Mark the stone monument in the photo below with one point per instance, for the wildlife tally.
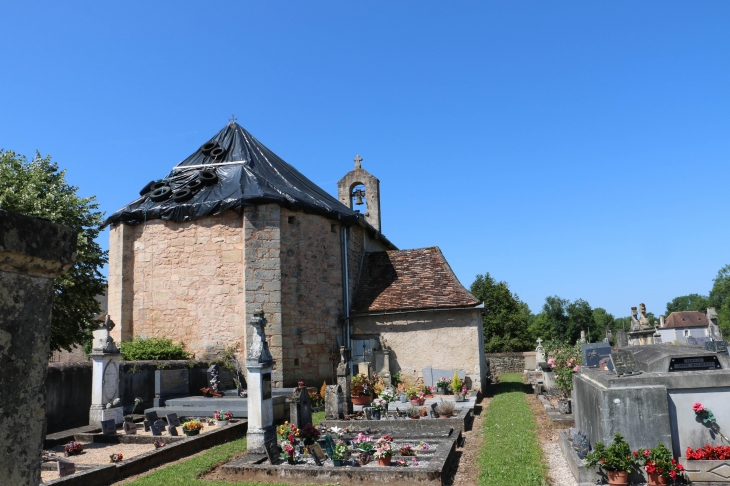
(343, 378)
(260, 404)
(713, 330)
(641, 332)
(105, 373)
(33, 252)
(300, 408)
(539, 355)
(334, 403)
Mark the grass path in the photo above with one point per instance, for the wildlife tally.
(511, 452)
(187, 473)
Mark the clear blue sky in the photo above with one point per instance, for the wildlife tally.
(576, 149)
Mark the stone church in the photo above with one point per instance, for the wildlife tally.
(233, 228)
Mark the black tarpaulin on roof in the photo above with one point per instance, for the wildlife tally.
(248, 173)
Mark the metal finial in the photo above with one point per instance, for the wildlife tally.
(357, 160)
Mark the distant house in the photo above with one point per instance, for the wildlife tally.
(680, 326)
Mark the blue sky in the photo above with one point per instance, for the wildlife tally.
(576, 149)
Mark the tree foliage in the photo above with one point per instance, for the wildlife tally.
(506, 319)
(152, 349)
(691, 302)
(38, 188)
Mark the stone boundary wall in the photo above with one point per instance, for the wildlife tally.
(511, 362)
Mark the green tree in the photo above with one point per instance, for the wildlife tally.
(691, 302)
(38, 188)
(720, 299)
(505, 322)
(541, 327)
(580, 318)
(602, 320)
(556, 312)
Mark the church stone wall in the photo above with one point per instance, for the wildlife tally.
(311, 292)
(443, 339)
(184, 280)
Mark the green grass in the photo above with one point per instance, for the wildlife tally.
(511, 453)
(187, 473)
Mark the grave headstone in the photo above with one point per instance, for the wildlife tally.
(259, 363)
(539, 354)
(334, 403)
(624, 363)
(368, 411)
(343, 379)
(147, 424)
(300, 408)
(170, 384)
(151, 416)
(695, 363)
(172, 420)
(594, 352)
(431, 375)
(317, 453)
(114, 413)
(621, 339)
(719, 347)
(65, 467)
(157, 427)
(273, 451)
(109, 427)
(172, 430)
(105, 372)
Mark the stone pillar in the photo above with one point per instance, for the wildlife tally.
(260, 403)
(343, 378)
(32, 253)
(120, 293)
(105, 378)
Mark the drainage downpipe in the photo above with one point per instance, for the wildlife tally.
(346, 287)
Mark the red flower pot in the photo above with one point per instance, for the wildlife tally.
(364, 400)
(656, 478)
(618, 478)
(384, 461)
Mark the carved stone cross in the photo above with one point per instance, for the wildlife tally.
(357, 160)
(539, 341)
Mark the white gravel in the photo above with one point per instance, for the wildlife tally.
(558, 471)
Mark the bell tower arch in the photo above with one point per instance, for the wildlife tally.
(361, 188)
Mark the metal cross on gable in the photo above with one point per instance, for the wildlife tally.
(233, 119)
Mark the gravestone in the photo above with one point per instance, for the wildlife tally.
(431, 375)
(273, 451)
(260, 405)
(114, 413)
(65, 467)
(382, 364)
(173, 420)
(171, 384)
(719, 347)
(108, 427)
(151, 416)
(317, 453)
(157, 427)
(539, 354)
(172, 430)
(343, 379)
(334, 403)
(621, 339)
(105, 371)
(147, 424)
(593, 353)
(300, 408)
(624, 363)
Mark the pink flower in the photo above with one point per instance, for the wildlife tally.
(697, 407)
(576, 368)
(551, 361)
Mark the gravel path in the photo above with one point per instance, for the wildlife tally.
(559, 472)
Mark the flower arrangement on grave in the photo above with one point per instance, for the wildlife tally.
(384, 451)
(388, 395)
(445, 409)
(115, 403)
(222, 415)
(363, 442)
(407, 450)
(414, 461)
(73, 448)
(708, 453)
(402, 386)
(708, 418)
(309, 434)
(340, 451)
(290, 453)
(422, 446)
(442, 383)
(316, 398)
(192, 425)
(401, 463)
(378, 384)
(380, 404)
(130, 417)
(116, 457)
(360, 386)
(617, 457)
(659, 462)
(287, 432)
(414, 412)
(158, 443)
(565, 361)
(456, 383)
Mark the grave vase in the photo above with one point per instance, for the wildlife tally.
(618, 478)
(376, 414)
(362, 400)
(191, 433)
(222, 422)
(337, 462)
(384, 461)
(656, 478)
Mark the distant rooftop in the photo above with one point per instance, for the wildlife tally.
(686, 319)
(409, 280)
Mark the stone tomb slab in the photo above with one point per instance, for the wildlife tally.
(433, 465)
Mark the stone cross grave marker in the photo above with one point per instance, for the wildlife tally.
(334, 402)
(158, 427)
(172, 420)
(300, 408)
(65, 467)
(109, 427)
(539, 353)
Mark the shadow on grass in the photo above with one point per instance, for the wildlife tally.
(514, 387)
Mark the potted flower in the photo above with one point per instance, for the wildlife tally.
(659, 464)
(461, 395)
(116, 457)
(289, 452)
(414, 412)
(129, 427)
(380, 405)
(360, 389)
(192, 427)
(222, 416)
(72, 448)
(456, 383)
(407, 450)
(416, 395)
(442, 385)
(388, 395)
(339, 454)
(384, 451)
(309, 434)
(617, 460)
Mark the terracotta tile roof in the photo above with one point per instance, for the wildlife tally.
(686, 319)
(408, 280)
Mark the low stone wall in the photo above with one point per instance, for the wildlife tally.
(511, 362)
